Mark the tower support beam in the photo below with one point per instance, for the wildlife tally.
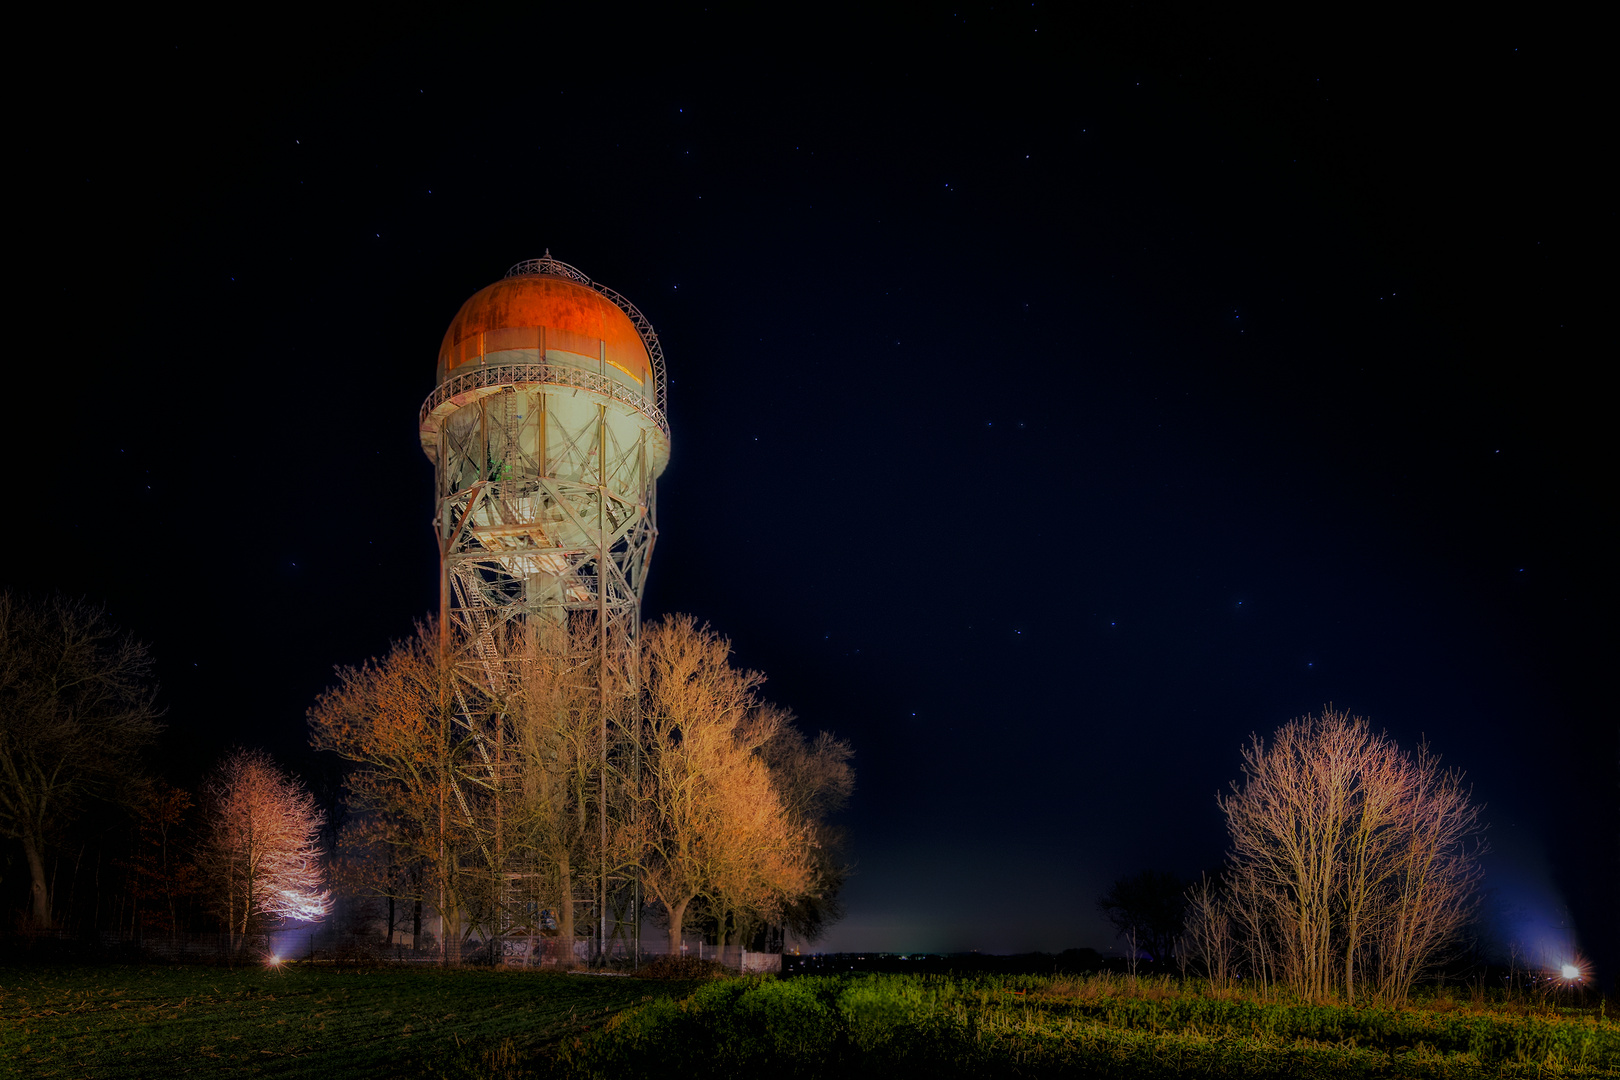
(546, 464)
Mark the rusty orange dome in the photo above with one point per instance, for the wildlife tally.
(545, 308)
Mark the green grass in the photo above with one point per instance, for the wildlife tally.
(300, 1020)
(940, 1026)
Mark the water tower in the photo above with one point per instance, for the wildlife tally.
(547, 432)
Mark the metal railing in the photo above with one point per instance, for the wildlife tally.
(551, 374)
(547, 266)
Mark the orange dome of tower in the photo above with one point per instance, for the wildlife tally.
(541, 308)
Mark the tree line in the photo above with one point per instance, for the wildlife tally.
(713, 802)
(78, 706)
(706, 797)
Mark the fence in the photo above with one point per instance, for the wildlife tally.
(539, 951)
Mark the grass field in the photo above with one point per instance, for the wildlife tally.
(310, 1020)
(1099, 1026)
(298, 1020)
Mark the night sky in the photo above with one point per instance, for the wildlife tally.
(1056, 399)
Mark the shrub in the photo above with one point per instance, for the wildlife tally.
(683, 968)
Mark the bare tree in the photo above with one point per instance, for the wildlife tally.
(709, 796)
(1434, 876)
(1347, 855)
(1288, 825)
(262, 849)
(559, 750)
(1207, 936)
(706, 821)
(77, 705)
(1259, 921)
(761, 854)
(162, 877)
(813, 779)
(392, 718)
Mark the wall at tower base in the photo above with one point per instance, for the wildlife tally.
(551, 952)
(734, 957)
(759, 963)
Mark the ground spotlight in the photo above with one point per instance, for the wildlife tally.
(1570, 972)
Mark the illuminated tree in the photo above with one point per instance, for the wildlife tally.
(710, 797)
(1258, 920)
(1347, 856)
(813, 779)
(559, 748)
(1206, 937)
(1434, 876)
(262, 850)
(706, 820)
(77, 705)
(392, 718)
(760, 856)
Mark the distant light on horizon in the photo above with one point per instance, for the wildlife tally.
(1570, 971)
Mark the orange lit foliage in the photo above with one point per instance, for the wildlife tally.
(813, 779)
(391, 718)
(558, 729)
(706, 821)
(729, 812)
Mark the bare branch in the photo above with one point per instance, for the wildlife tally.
(77, 706)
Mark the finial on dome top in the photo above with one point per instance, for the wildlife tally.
(548, 267)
